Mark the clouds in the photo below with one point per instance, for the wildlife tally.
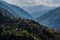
(34, 2)
(53, 3)
(20, 2)
(56, 1)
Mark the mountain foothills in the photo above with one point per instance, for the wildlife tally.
(48, 16)
(51, 19)
(38, 10)
(14, 10)
(17, 24)
(24, 29)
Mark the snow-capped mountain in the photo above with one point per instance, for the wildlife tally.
(39, 10)
(14, 10)
(51, 19)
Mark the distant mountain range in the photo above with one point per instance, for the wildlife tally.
(51, 19)
(13, 10)
(37, 11)
(47, 16)
(24, 29)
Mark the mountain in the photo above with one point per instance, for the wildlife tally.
(51, 19)
(14, 10)
(38, 10)
(24, 29)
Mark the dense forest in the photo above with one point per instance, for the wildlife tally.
(25, 29)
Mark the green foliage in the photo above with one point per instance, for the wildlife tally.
(25, 29)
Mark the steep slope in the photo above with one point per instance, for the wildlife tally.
(24, 29)
(38, 10)
(15, 10)
(51, 19)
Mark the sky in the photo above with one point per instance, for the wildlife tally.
(34, 2)
(0, 0)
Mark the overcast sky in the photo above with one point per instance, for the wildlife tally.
(34, 2)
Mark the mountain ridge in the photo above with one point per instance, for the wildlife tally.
(25, 29)
(51, 18)
(39, 10)
(16, 10)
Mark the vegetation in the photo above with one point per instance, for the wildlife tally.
(24, 29)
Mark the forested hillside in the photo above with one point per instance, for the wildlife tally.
(24, 29)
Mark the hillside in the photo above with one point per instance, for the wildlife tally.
(51, 19)
(13, 10)
(24, 29)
